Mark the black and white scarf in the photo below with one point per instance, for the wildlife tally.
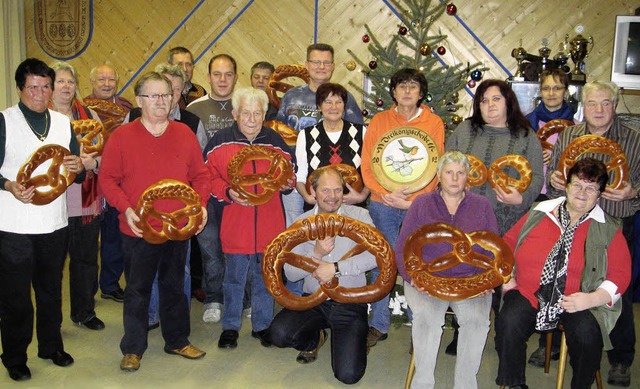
(554, 273)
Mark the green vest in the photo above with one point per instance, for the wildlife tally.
(594, 273)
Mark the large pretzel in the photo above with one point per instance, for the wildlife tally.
(288, 134)
(92, 135)
(58, 178)
(270, 181)
(348, 173)
(174, 226)
(477, 172)
(498, 178)
(367, 238)
(275, 84)
(112, 114)
(596, 144)
(495, 272)
(552, 127)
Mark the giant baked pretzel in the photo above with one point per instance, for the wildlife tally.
(596, 144)
(498, 178)
(348, 173)
(92, 135)
(169, 189)
(111, 113)
(366, 237)
(495, 272)
(275, 83)
(288, 134)
(552, 127)
(477, 171)
(57, 177)
(271, 181)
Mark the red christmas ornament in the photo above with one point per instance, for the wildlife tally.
(365, 38)
(373, 64)
(451, 9)
(441, 50)
(471, 84)
(402, 30)
(379, 103)
(365, 113)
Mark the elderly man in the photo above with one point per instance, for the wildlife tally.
(170, 151)
(305, 330)
(182, 57)
(33, 238)
(104, 81)
(260, 74)
(600, 100)
(246, 229)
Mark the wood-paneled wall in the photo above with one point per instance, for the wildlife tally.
(135, 35)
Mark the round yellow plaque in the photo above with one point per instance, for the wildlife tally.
(405, 157)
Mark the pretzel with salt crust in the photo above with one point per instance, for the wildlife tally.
(92, 135)
(58, 178)
(498, 178)
(275, 84)
(495, 272)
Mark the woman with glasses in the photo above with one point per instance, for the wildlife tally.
(572, 264)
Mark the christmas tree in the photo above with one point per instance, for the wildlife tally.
(412, 47)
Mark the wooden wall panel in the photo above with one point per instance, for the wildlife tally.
(129, 33)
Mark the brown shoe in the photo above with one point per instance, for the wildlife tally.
(305, 357)
(130, 362)
(373, 336)
(189, 351)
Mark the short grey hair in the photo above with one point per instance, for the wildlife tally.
(606, 86)
(248, 95)
(171, 70)
(454, 156)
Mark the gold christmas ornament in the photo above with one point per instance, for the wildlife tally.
(425, 49)
(456, 119)
(351, 65)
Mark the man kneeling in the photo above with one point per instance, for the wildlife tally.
(305, 330)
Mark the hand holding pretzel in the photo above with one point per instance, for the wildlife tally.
(275, 83)
(495, 271)
(174, 226)
(319, 227)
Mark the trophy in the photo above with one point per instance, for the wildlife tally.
(519, 54)
(544, 52)
(578, 48)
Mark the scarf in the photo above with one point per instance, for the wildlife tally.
(542, 114)
(554, 273)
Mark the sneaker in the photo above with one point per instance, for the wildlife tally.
(117, 295)
(93, 324)
(619, 375)
(373, 336)
(212, 314)
(537, 357)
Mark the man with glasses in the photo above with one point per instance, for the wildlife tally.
(600, 99)
(182, 57)
(138, 155)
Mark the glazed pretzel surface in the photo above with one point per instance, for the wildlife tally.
(498, 178)
(276, 84)
(366, 237)
(348, 172)
(288, 134)
(271, 181)
(58, 178)
(92, 135)
(552, 127)
(595, 144)
(112, 113)
(171, 229)
(478, 173)
(495, 272)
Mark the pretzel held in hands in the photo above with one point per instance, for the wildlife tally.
(288, 134)
(552, 127)
(275, 84)
(58, 178)
(92, 135)
(348, 173)
(477, 172)
(498, 178)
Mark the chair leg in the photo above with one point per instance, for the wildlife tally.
(562, 363)
(547, 351)
(412, 370)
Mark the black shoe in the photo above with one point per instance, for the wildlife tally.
(117, 295)
(59, 358)
(153, 326)
(523, 386)
(19, 373)
(93, 324)
(619, 375)
(305, 357)
(452, 348)
(228, 339)
(265, 338)
(537, 357)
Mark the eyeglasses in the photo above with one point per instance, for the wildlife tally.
(549, 88)
(317, 63)
(408, 85)
(167, 96)
(577, 188)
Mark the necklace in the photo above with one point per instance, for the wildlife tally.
(40, 136)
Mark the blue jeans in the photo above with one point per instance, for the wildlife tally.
(111, 257)
(388, 220)
(154, 301)
(240, 267)
(212, 256)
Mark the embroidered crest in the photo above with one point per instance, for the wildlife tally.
(63, 27)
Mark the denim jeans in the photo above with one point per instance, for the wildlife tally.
(239, 268)
(212, 256)
(154, 301)
(426, 332)
(348, 323)
(293, 206)
(111, 257)
(516, 323)
(388, 220)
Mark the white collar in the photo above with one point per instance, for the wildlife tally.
(548, 206)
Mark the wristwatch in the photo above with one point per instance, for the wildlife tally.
(335, 265)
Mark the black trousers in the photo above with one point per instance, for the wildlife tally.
(142, 261)
(26, 260)
(516, 323)
(83, 267)
(349, 326)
